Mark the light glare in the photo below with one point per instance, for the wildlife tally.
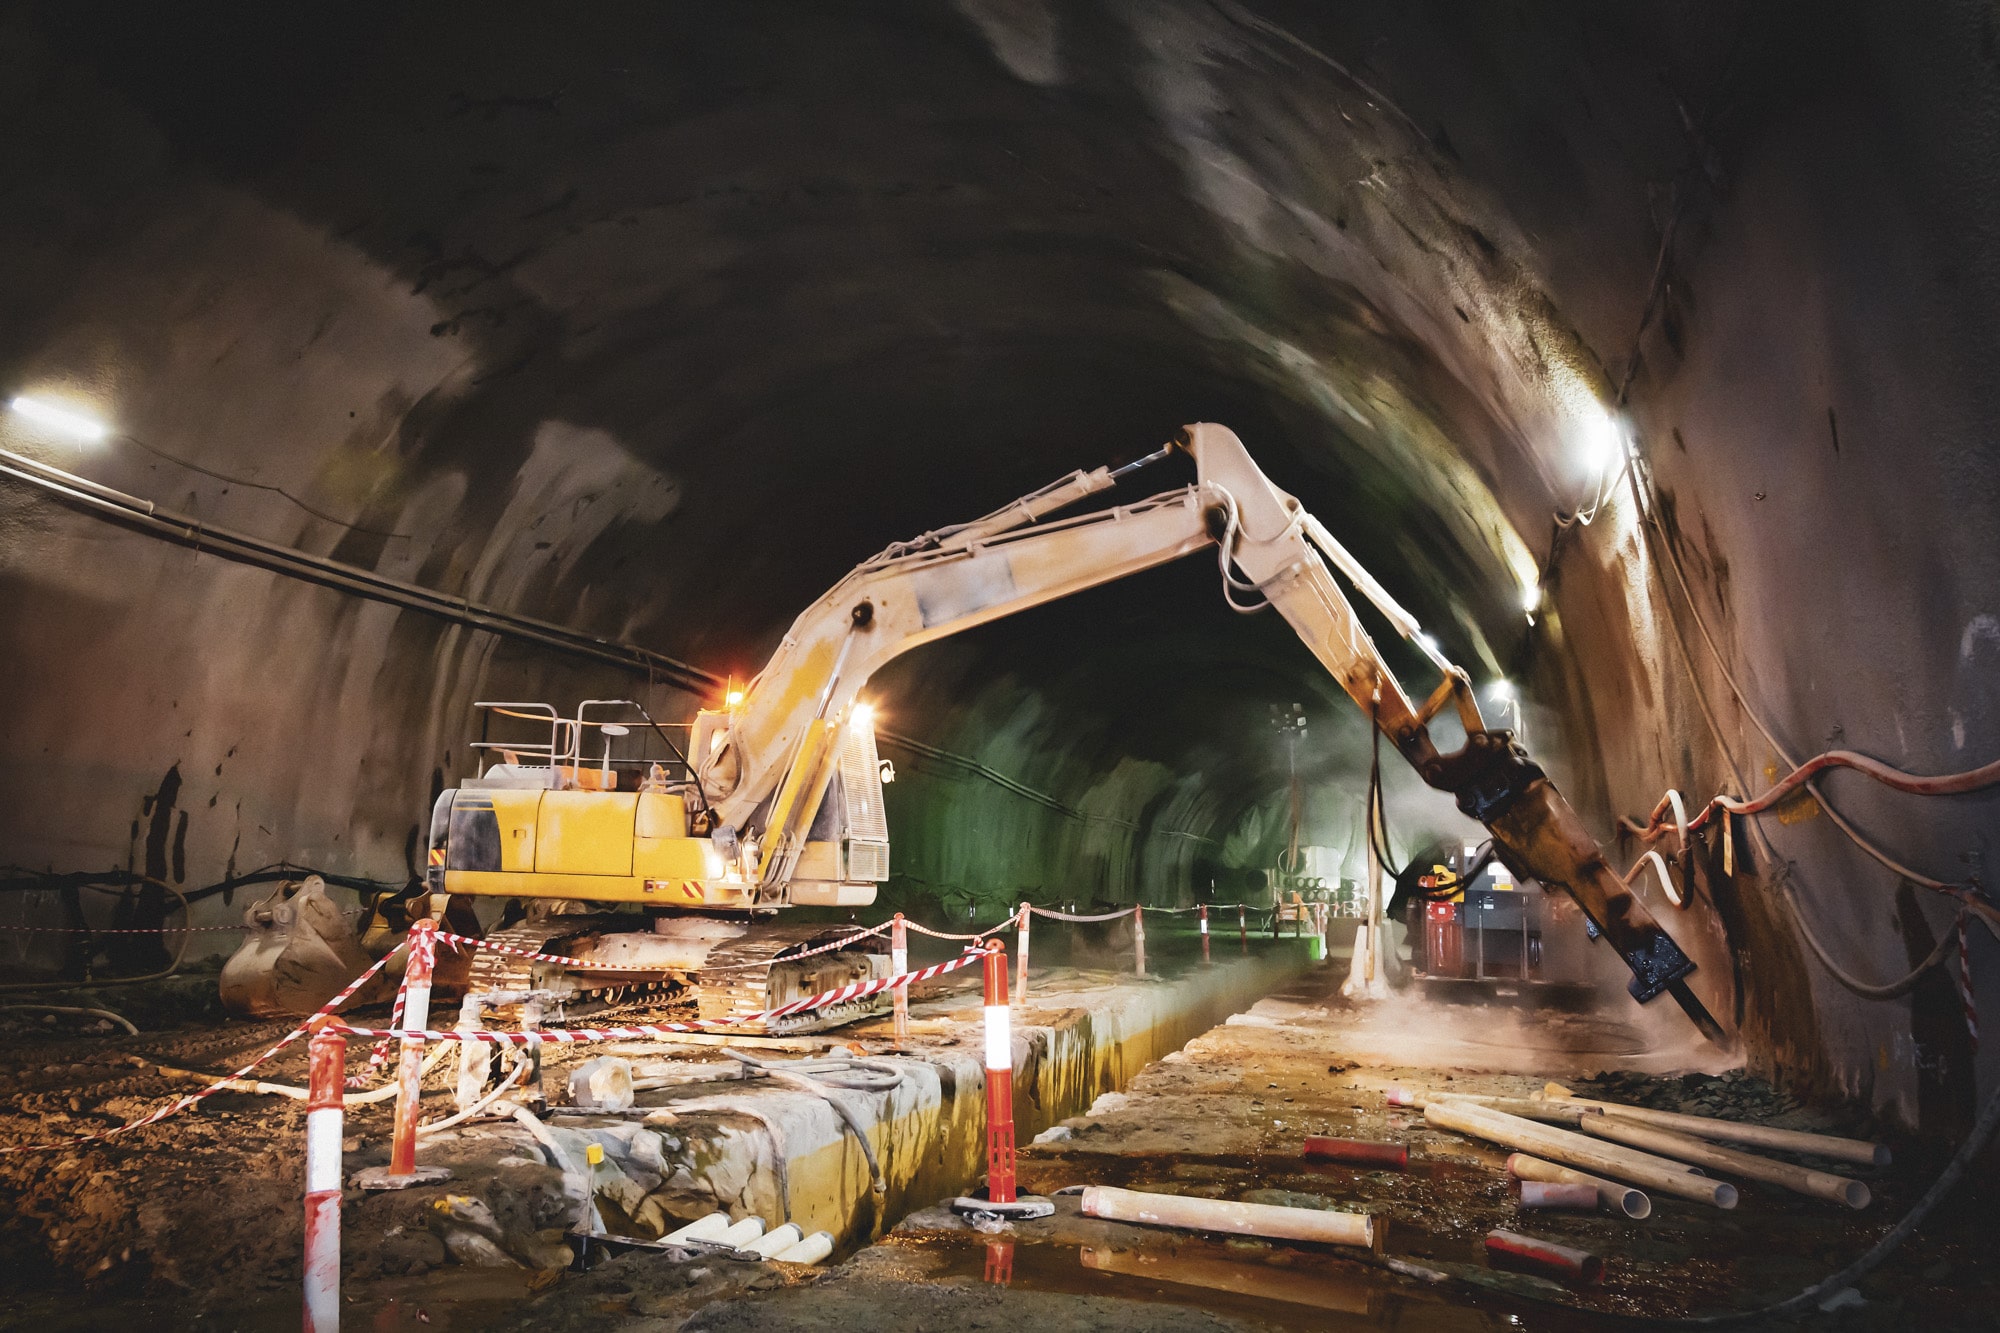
(1603, 441)
(74, 424)
(735, 698)
(1501, 690)
(863, 715)
(1531, 598)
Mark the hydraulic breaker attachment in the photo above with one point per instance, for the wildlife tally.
(1537, 835)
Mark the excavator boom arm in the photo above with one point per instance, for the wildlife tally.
(767, 758)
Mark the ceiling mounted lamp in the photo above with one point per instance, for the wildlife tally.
(63, 420)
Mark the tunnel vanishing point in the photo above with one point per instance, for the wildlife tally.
(370, 362)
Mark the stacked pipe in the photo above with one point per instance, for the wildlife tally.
(1662, 1150)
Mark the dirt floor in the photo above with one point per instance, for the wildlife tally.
(198, 1227)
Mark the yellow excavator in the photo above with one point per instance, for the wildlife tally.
(673, 874)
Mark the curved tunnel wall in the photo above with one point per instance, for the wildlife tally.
(653, 323)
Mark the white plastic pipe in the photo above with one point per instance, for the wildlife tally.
(808, 1251)
(740, 1235)
(774, 1243)
(702, 1228)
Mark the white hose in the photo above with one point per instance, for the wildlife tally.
(369, 1098)
(120, 1020)
(469, 1112)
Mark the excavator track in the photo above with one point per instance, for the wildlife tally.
(731, 981)
(493, 970)
(739, 976)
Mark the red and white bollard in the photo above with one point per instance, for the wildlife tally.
(899, 963)
(1204, 932)
(1021, 966)
(403, 1171)
(325, 1119)
(1001, 1199)
(1243, 926)
(1139, 938)
(999, 1079)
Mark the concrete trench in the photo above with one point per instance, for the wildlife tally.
(1080, 1034)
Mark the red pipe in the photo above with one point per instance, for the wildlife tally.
(1510, 1247)
(1943, 784)
(1357, 1152)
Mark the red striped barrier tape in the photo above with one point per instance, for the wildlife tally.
(586, 965)
(581, 1036)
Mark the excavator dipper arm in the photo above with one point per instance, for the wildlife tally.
(766, 760)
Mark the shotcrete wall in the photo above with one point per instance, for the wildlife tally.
(653, 321)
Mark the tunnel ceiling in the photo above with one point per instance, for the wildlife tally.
(654, 320)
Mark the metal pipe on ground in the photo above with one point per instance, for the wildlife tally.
(1656, 1173)
(1548, 1194)
(1546, 1256)
(1858, 1151)
(1243, 1219)
(1611, 1196)
(1799, 1179)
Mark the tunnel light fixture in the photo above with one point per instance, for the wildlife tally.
(1501, 691)
(1603, 441)
(734, 698)
(64, 420)
(1531, 598)
(862, 716)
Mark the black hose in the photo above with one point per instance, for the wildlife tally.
(43, 881)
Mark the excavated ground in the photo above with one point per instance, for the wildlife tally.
(197, 1225)
(1223, 1119)
(197, 1222)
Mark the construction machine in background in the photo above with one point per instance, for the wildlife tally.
(676, 872)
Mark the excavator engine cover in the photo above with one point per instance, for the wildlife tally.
(299, 951)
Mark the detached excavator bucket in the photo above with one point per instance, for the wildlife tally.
(299, 952)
